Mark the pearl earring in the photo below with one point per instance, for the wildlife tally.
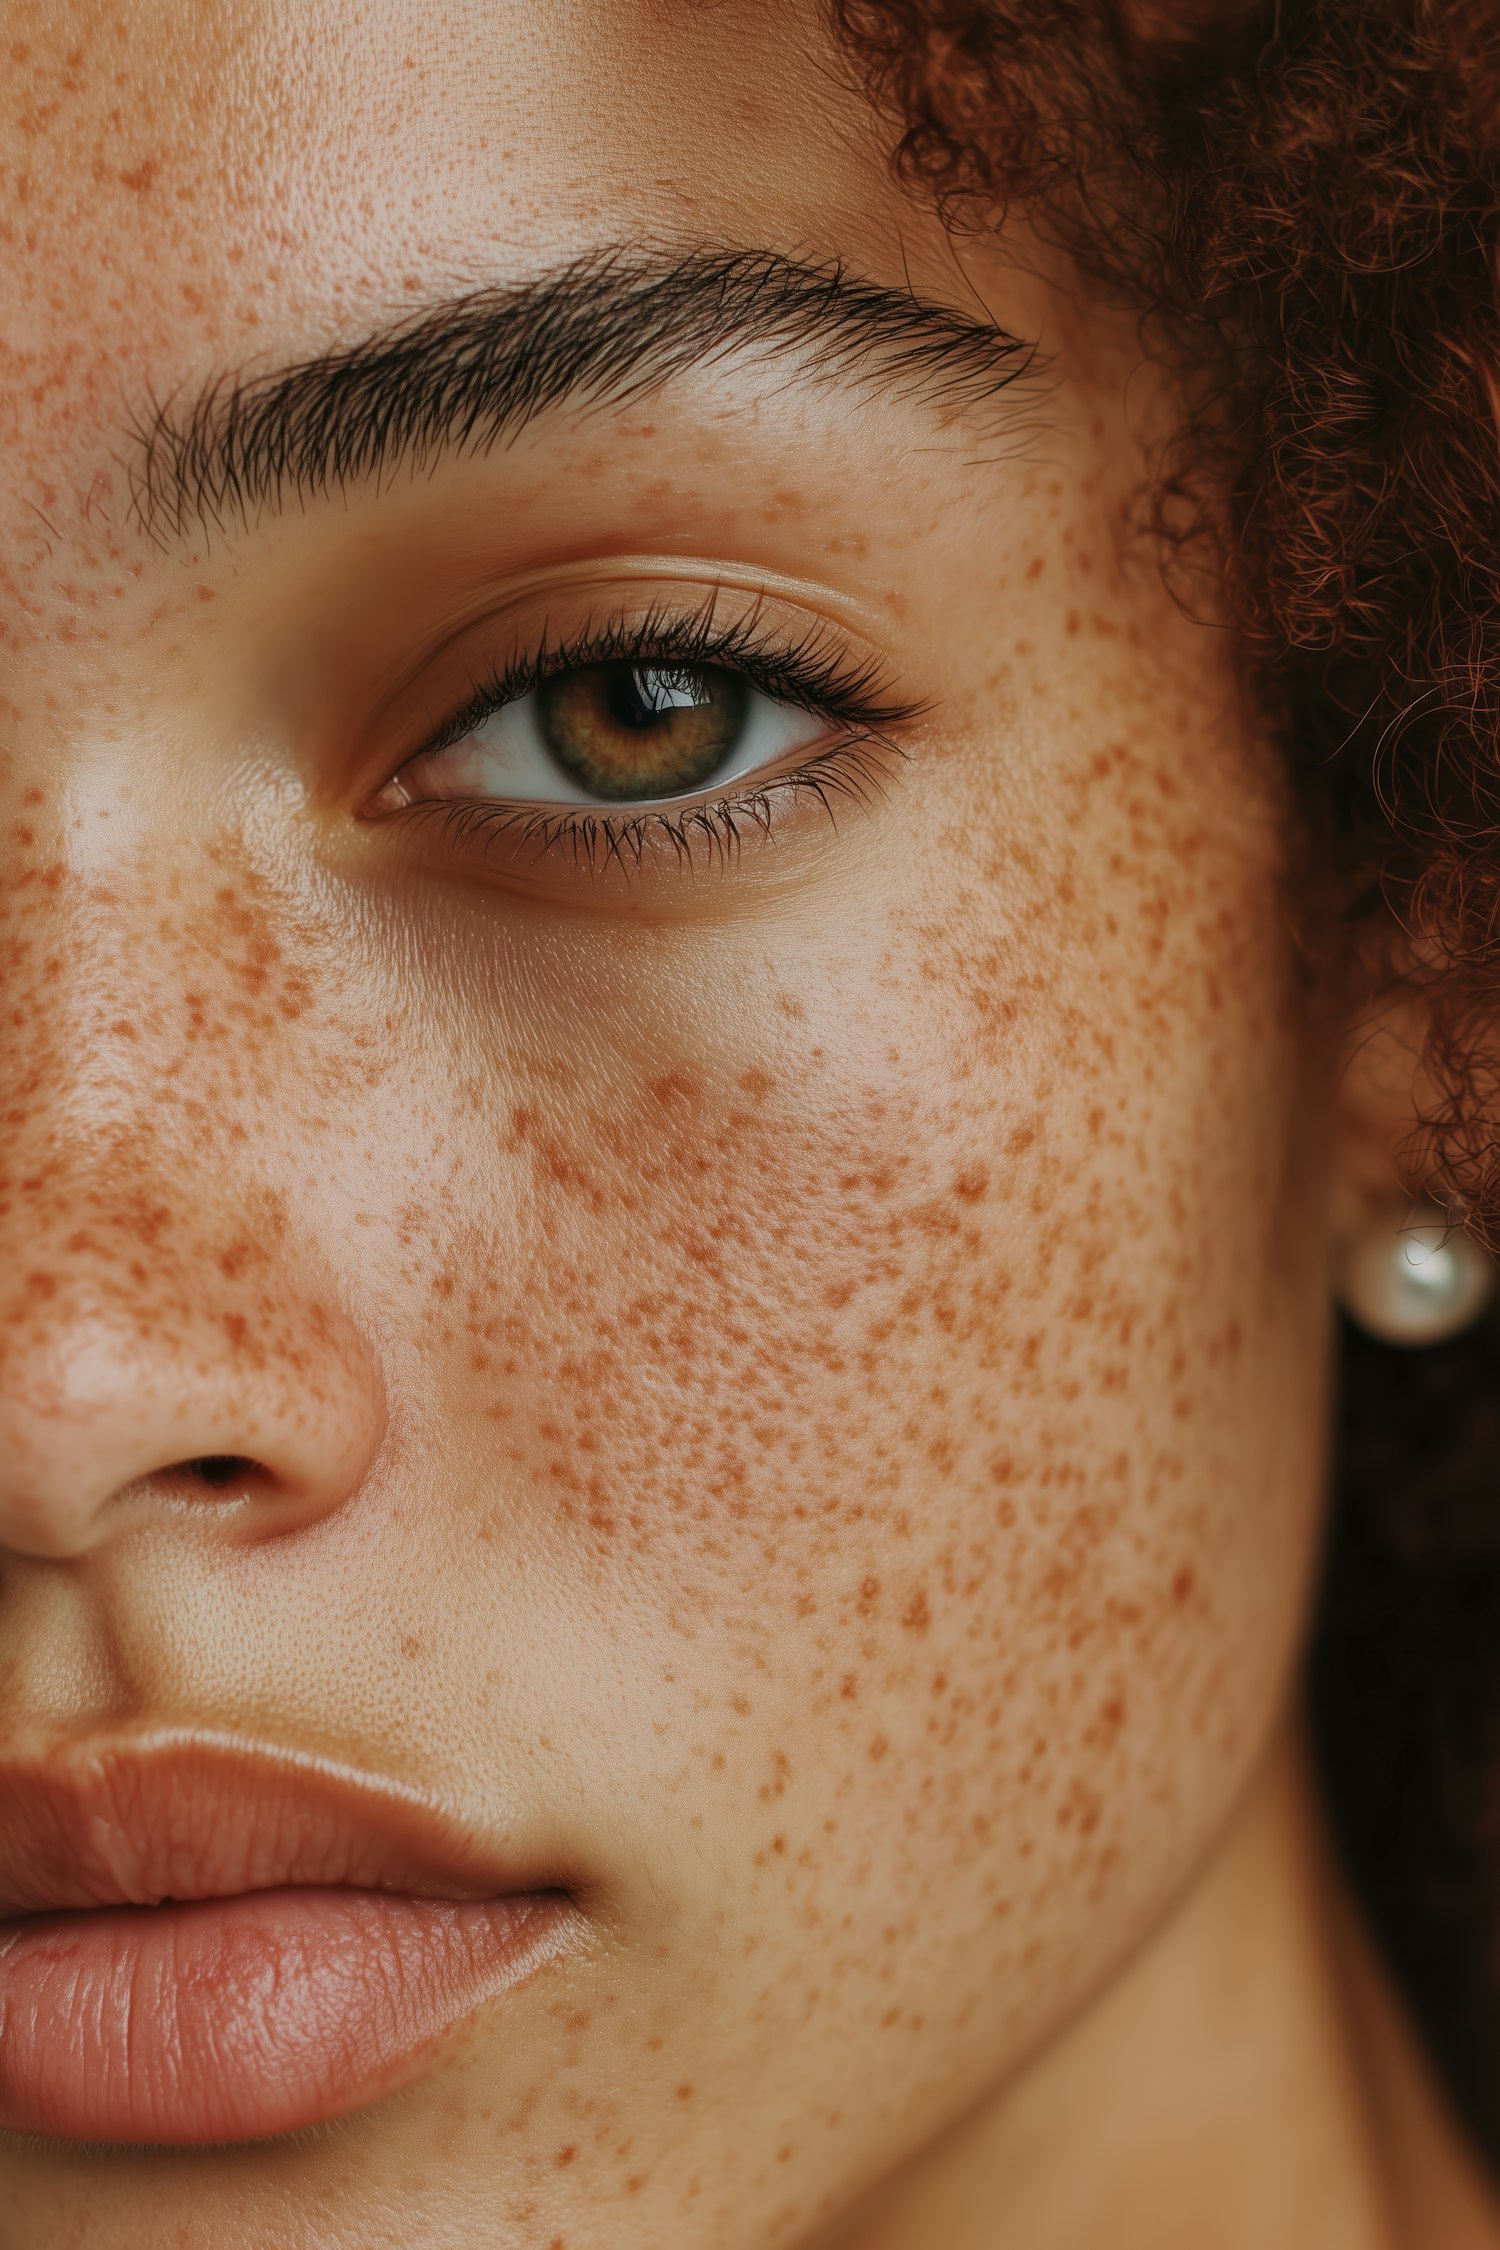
(1414, 1281)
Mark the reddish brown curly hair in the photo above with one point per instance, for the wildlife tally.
(1300, 199)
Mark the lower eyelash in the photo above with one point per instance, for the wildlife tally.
(710, 834)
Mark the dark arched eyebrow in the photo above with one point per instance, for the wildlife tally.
(469, 373)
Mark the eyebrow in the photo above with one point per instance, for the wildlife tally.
(606, 329)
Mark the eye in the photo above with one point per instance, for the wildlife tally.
(623, 732)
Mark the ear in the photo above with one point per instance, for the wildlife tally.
(1418, 1110)
(1388, 1101)
(1382, 1145)
(1406, 1270)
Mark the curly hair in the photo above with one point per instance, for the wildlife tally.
(1301, 204)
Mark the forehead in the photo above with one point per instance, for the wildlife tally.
(189, 185)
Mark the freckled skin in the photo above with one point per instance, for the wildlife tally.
(800, 1386)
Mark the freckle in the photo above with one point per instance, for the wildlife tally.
(878, 1748)
(674, 1087)
(565, 2156)
(1183, 1585)
(916, 1616)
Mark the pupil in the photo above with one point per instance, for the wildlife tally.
(641, 696)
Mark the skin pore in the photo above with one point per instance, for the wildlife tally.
(783, 1363)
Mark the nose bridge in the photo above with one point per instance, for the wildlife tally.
(152, 990)
(98, 953)
(160, 1305)
(79, 978)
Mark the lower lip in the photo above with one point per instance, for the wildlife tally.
(229, 2019)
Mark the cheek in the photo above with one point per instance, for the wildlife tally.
(893, 1406)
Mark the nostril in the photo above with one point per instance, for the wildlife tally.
(219, 1469)
(230, 1480)
(114, 1425)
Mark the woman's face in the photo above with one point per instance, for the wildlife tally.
(761, 1351)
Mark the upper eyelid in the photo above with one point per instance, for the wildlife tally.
(472, 635)
(813, 673)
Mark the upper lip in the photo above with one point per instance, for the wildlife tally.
(144, 1818)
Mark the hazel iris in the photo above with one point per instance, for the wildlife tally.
(627, 731)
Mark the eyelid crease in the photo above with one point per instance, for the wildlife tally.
(616, 584)
(814, 671)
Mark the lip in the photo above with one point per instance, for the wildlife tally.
(208, 1939)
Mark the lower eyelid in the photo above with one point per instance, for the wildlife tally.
(708, 835)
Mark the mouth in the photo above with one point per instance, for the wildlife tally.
(204, 1939)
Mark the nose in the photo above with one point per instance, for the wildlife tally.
(218, 1381)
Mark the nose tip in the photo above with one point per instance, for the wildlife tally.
(105, 1420)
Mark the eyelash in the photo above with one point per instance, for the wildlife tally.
(813, 673)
